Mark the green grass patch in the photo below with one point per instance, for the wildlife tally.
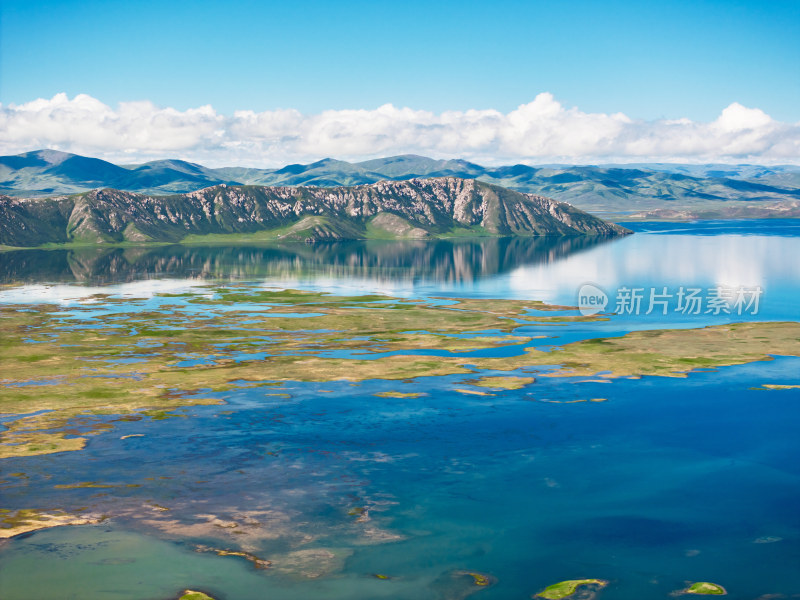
(705, 588)
(565, 589)
(193, 595)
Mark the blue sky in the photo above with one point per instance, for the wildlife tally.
(649, 60)
(528, 81)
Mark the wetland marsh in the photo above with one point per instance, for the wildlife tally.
(399, 420)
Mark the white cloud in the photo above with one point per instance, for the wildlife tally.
(540, 131)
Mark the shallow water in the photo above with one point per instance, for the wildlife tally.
(668, 480)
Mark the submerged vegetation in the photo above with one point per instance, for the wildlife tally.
(480, 579)
(258, 563)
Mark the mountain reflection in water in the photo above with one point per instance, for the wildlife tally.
(453, 261)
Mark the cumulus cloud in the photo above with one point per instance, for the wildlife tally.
(543, 130)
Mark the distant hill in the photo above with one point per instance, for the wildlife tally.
(413, 209)
(49, 172)
(609, 188)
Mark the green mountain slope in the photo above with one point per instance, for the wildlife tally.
(438, 207)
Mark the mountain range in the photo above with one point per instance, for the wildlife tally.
(621, 189)
(412, 209)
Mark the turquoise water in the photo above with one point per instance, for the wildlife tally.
(669, 480)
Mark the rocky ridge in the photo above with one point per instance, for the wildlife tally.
(390, 209)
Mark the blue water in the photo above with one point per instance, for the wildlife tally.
(668, 480)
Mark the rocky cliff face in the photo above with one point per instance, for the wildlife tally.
(420, 207)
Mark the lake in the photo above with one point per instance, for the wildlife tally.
(647, 482)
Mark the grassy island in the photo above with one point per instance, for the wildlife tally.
(193, 595)
(566, 589)
(705, 588)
